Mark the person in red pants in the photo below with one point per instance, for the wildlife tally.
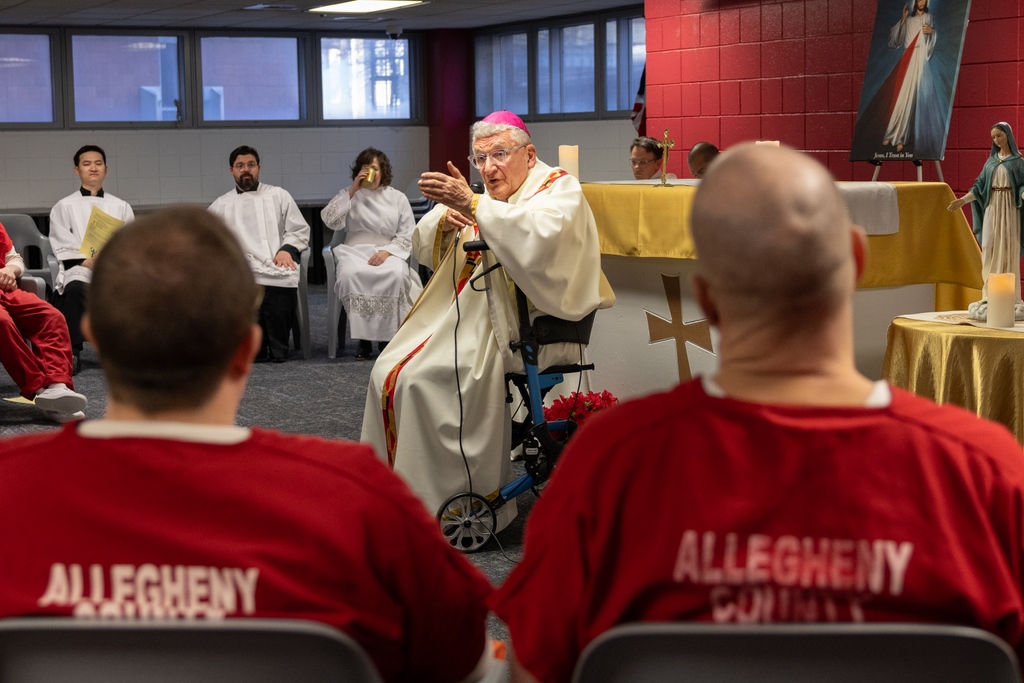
(42, 371)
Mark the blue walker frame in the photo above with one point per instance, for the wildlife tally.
(468, 519)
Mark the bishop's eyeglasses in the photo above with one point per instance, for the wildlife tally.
(498, 156)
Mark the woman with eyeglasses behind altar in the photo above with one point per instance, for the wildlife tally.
(374, 281)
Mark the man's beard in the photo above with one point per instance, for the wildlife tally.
(247, 182)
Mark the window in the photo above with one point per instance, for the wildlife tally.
(546, 71)
(125, 78)
(108, 78)
(365, 78)
(625, 54)
(565, 69)
(26, 78)
(251, 79)
(502, 76)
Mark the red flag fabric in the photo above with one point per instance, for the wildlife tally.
(639, 115)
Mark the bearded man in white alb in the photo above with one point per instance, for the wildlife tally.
(273, 233)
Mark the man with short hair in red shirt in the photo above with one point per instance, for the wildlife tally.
(35, 348)
(166, 509)
(786, 487)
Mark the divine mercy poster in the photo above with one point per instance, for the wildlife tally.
(909, 80)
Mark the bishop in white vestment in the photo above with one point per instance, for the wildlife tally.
(436, 403)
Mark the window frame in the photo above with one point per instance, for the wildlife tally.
(305, 61)
(531, 67)
(57, 86)
(558, 24)
(417, 96)
(532, 29)
(69, 85)
(617, 16)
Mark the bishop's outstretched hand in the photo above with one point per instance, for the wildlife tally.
(450, 189)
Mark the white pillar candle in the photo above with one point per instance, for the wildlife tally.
(1002, 296)
(569, 158)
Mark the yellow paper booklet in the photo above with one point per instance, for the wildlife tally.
(98, 230)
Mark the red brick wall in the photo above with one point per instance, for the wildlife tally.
(449, 97)
(792, 71)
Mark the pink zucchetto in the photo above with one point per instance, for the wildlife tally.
(507, 118)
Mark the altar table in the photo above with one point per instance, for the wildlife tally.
(980, 369)
(656, 334)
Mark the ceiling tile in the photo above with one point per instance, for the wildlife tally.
(230, 13)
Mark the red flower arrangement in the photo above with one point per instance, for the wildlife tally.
(578, 407)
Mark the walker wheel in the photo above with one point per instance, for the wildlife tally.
(467, 521)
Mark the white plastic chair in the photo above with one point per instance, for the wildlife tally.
(805, 653)
(53, 265)
(334, 307)
(67, 650)
(26, 239)
(302, 311)
(33, 285)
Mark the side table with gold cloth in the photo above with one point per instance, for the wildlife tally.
(979, 369)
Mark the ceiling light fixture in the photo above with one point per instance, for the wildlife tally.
(366, 6)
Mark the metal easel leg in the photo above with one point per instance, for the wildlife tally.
(938, 171)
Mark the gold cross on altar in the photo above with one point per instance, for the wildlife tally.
(665, 145)
(697, 332)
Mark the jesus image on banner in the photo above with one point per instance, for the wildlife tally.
(909, 80)
(914, 32)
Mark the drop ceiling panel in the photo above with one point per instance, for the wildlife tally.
(231, 13)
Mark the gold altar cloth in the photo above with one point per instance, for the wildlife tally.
(932, 246)
(976, 368)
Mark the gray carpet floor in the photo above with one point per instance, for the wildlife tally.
(320, 396)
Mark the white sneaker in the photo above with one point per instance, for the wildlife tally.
(63, 417)
(57, 398)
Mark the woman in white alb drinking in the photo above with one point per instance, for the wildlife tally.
(374, 281)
